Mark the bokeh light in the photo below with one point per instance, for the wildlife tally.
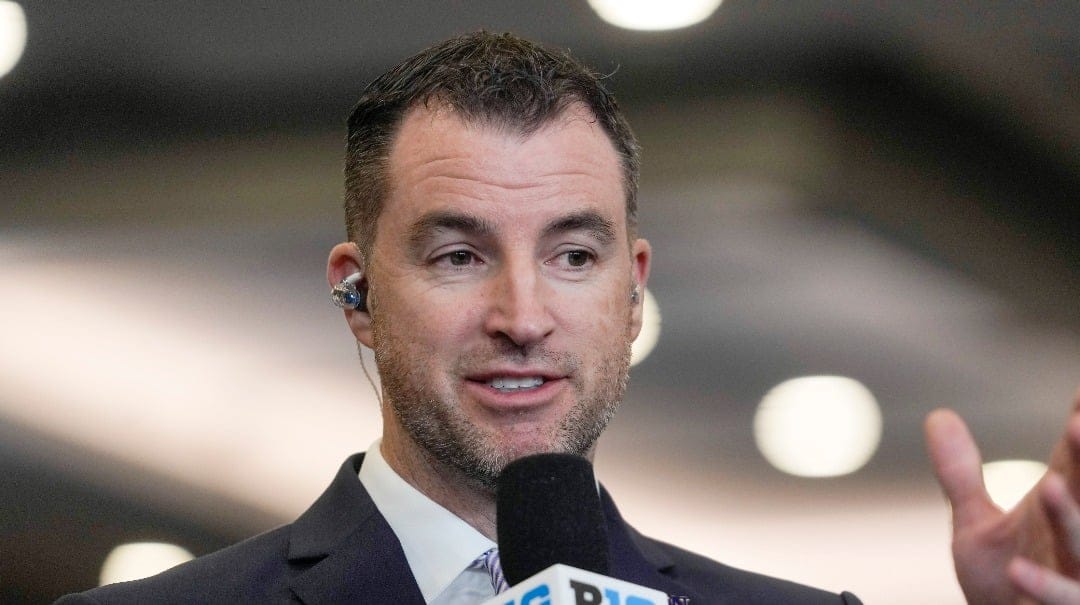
(138, 560)
(650, 329)
(818, 426)
(1007, 481)
(654, 14)
(12, 35)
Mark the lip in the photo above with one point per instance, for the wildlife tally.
(489, 397)
(514, 372)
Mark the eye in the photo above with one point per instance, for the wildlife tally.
(457, 259)
(460, 258)
(578, 258)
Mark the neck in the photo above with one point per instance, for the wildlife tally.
(446, 485)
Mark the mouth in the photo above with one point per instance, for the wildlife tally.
(516, 388)
(516, 384)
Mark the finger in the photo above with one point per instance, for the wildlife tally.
(958, 466)
(1064, 514)
(1067, 457)
(1043, 585)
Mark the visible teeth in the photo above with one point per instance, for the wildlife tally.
(516, 384)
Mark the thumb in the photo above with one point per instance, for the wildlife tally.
(958, 467)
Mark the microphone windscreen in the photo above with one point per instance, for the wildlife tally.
(548, 511)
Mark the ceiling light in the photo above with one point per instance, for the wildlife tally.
(650, 330)
(1007, 481)
(818, 426)
(139, 560)
(12, 35)
(653, 14)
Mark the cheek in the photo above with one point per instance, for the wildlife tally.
(428, 318)
(601, 317)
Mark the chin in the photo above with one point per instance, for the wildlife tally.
(513, 451)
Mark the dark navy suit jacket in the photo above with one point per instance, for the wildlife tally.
(341, 550)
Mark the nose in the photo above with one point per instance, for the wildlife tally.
(519, 308)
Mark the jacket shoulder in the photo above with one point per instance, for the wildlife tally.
(253, 571)
(732, 585)
(268, 568)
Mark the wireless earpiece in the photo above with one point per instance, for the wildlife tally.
(348, 294)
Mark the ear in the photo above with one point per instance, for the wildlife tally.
(345, 259)
(640, 263)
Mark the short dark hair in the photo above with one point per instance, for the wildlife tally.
(496, 79)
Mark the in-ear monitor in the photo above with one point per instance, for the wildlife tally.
(350, 293)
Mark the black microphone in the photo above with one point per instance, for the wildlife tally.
(547, 512)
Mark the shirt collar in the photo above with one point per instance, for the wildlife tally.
(438, 544)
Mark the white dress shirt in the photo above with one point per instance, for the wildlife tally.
(439, 547)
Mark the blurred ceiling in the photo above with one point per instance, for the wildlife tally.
(886, 191)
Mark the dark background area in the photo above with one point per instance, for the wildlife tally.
(948, 132)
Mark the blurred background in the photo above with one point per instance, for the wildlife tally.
(885, 192)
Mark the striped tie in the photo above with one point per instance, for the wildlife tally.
(490, 561)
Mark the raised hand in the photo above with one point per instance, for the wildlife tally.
(1040, 583)
(1030, 554)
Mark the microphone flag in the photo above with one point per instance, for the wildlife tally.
(565, 585)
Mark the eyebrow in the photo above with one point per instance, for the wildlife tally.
(599, 227)
(434, 222)
(421, 231)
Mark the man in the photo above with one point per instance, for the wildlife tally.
(493, 265)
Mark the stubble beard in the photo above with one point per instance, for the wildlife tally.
(436, 422)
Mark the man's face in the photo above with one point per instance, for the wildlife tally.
(501, 276)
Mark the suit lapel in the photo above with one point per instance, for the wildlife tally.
(635, 560)
(350, 553)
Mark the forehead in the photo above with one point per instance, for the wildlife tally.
(439, 162)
